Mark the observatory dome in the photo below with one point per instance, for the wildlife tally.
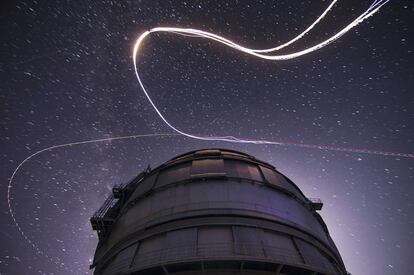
(212, 211)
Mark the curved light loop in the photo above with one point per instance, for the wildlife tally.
(375, 6)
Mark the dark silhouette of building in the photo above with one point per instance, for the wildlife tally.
(212, 211)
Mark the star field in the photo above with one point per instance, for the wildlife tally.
(67, 75)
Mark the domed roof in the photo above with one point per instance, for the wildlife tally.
(169, 218)
(217, 153)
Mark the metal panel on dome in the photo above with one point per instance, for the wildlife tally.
(215, 241)
(247, 241)
(122, 260)
(208, 152)
(280, 247)
(278, 180)
(312, 255)
(149, 251)
(164, 200)
(240, 169)
(207, 167)
(174, 173)
(213, 191)
(180, 243)
(146, 185)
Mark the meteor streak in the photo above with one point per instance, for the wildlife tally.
(264, 54)
(267, 54)
(50, 148)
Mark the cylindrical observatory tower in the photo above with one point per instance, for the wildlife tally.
(212, 211)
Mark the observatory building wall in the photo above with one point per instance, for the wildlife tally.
(215, 210)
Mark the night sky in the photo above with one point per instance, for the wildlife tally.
(66, 75)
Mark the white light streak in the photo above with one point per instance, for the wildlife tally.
(10, 184)
(375, 6)
(260, 53)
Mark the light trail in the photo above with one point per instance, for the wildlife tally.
(260, 53)
(375, 6)
(50, 148)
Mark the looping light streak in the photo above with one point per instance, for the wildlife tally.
(375, 6)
